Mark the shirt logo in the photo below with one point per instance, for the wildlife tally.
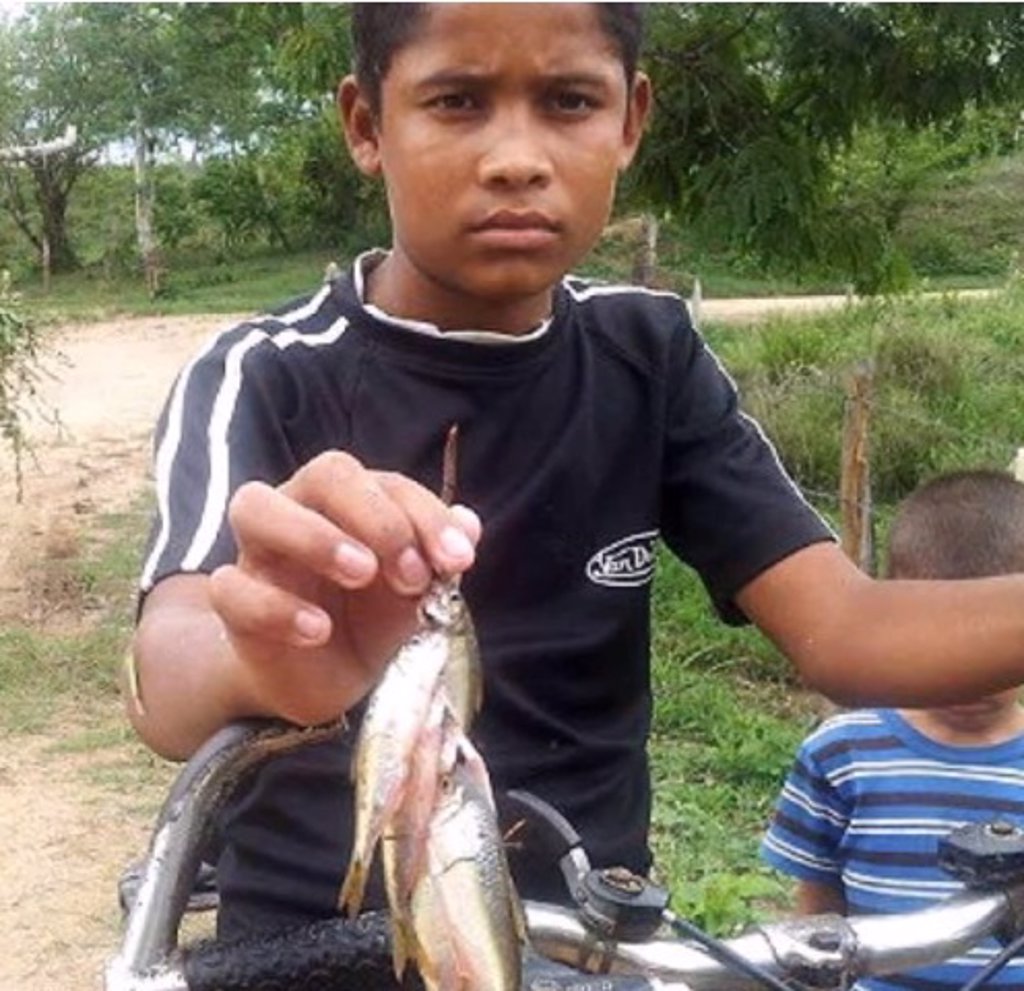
(628, 562)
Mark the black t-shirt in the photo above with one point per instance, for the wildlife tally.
(578, 447)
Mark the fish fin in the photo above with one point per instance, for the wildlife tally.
(352, 890)
(403, 944)
(519, 918)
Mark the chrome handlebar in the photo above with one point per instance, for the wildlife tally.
(826, 951)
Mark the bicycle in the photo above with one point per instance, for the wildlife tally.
(613, 940)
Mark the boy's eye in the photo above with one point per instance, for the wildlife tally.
(572, 102)
(455, 102)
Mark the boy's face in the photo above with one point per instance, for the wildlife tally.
(501, 134)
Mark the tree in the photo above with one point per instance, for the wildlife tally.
(170, 71)
(45, 89)
(754, 101)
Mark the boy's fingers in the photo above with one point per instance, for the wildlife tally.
(269, 526)
(252, 608)
(448, 534)
(409, 529)
(468, 521)
(338, 487)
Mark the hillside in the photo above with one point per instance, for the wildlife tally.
(970, 223)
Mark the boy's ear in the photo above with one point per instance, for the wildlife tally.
(638, 110)
(360, 126)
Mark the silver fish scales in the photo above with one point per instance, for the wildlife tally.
(419, 782)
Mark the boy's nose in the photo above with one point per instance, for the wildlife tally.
(515, 157)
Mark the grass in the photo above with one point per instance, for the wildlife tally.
(728, 718)
(946, 386)
(43, 673)
(967, 222)
(214, 284)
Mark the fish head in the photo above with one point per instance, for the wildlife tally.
(444, 607)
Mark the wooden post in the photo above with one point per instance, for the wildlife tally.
(855, 476)
(1017, 465)
(645, 262)
(46, 263)
(696, 302)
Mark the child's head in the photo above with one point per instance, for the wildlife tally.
(379, 30)
(500, 131)
(963, 525)
(966, 524)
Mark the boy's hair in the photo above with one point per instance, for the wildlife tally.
(967, 524)
(379, 30)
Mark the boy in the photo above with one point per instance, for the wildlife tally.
(861, 813)
(299, 461)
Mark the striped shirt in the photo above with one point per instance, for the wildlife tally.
(864, 807)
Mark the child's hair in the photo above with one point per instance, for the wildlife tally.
(379, 30)
(967, 524)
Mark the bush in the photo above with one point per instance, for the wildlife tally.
(946, 389)
(18, 371)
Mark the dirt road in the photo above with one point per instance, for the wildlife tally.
(70, 821)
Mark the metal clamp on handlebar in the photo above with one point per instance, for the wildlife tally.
(614, 901)
(985, 856)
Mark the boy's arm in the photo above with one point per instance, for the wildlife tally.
(818, 898)
(330, 568)
(865, 642)
(188, 680)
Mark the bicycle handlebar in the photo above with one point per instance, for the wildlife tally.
(337, 955)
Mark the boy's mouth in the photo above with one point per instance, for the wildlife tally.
(516, 229)
(517, 220)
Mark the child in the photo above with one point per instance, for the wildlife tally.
(872, 791)
(299, 462)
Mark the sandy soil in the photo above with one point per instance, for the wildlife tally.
(67, 831)
(70, 822)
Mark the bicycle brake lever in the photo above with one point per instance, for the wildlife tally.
(541, 827)
(613, 901)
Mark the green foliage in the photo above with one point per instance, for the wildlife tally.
(966, 220)
(212, 282)
(754, 103)
(946, 388)
(229, 192)
(177, 214)
(727, 721)
(18, 370)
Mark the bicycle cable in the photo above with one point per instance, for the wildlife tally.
(996, 964)
(722, 953)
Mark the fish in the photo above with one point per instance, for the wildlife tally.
(463, 673)
(391, 727)
(441, 656)
(403, 845)
(423, 795)
(466, 916)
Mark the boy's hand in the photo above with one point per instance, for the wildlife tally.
(330, 569)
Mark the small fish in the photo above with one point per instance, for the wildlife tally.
(463, 675)
(394, 718)
(465, 912)
(404, 844)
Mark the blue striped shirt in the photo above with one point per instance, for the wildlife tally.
(864, 807)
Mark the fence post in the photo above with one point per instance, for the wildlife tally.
(1017, 465)
(855, 471)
